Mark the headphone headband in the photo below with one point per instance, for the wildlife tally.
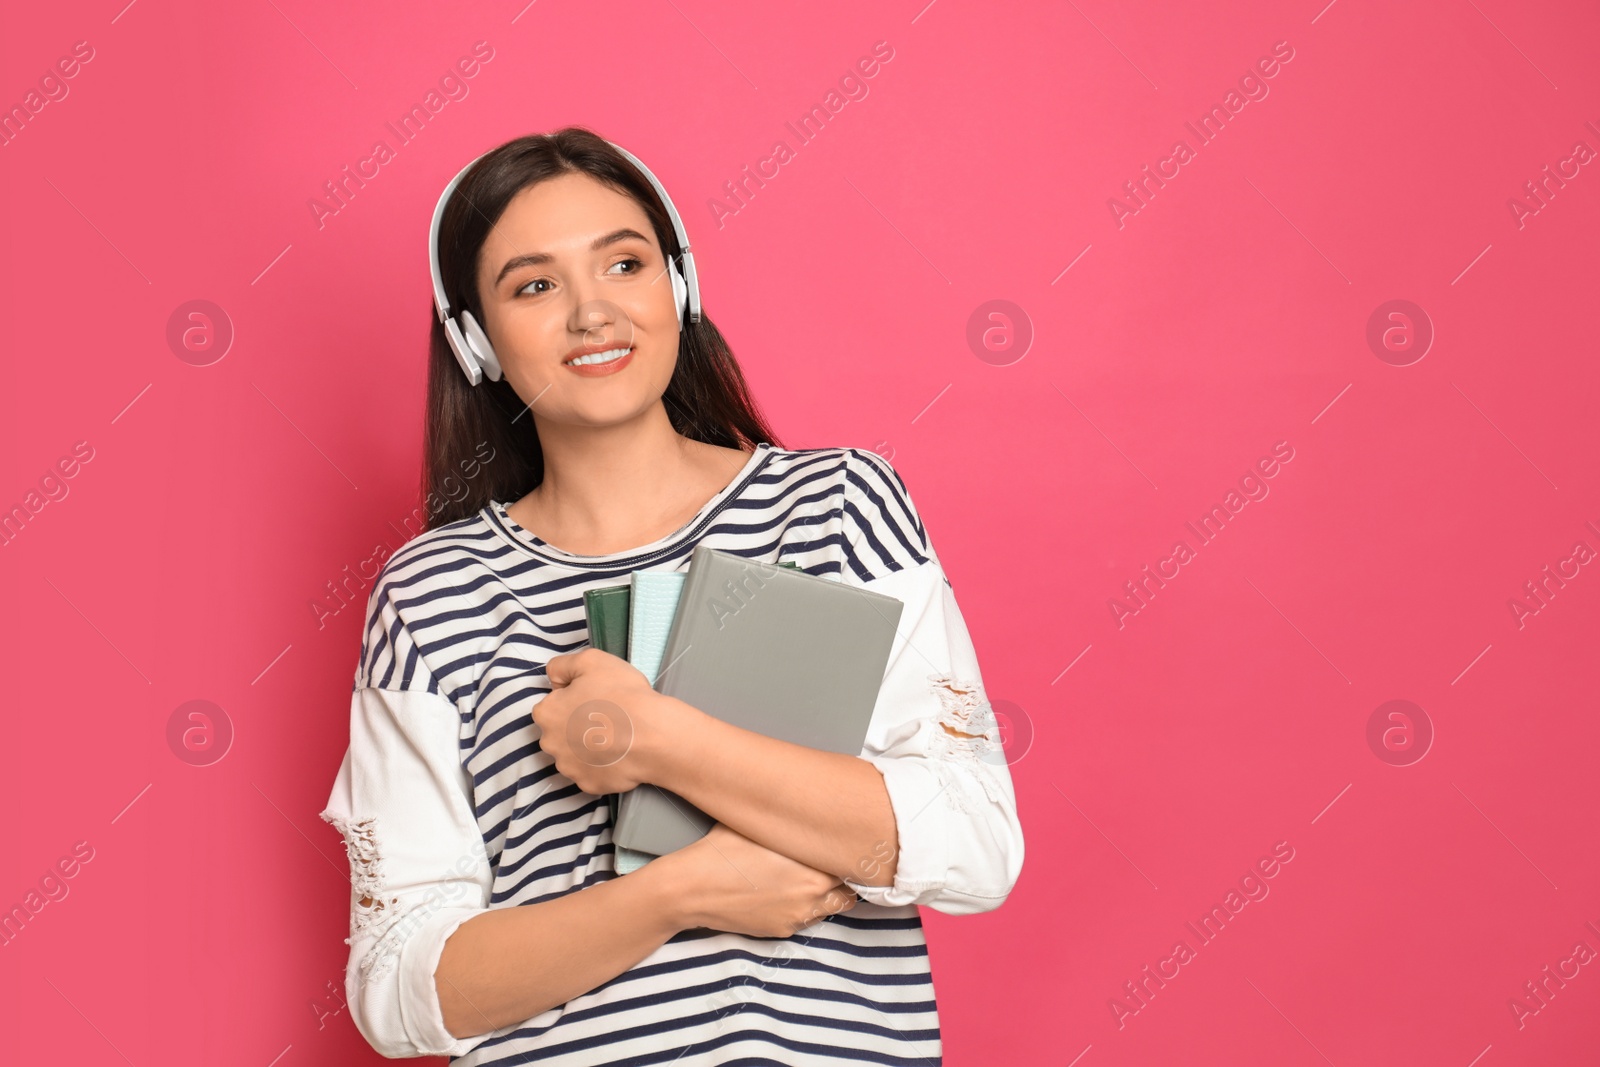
(441, 300)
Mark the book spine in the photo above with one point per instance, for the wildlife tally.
(694, 587)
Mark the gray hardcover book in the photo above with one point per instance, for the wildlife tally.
(770, 649)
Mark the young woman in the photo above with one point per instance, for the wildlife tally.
(591, 424)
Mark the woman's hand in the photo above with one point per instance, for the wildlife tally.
(598, 720)
(728, 882)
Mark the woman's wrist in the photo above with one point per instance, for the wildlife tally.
(670, 886)
(664, 739)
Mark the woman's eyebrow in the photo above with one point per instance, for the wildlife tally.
(536, 258)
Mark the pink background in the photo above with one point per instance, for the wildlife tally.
(1229, 313)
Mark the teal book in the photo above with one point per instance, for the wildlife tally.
(651, 607)
(652, 604)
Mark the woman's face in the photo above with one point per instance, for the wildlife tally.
(572, 267)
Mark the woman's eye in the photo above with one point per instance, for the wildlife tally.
(636, 264)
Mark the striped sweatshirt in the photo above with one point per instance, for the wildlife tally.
(448, 806)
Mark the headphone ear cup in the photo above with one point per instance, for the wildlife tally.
(680, 289)
(463, 352)
(481, 346)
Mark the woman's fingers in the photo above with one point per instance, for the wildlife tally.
(839, 898)
(558, 670)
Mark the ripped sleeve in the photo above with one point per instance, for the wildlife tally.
(934, 738)
(418, 867)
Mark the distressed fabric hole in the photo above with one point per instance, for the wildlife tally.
(964, 713)
(370, 913)
(969, 739)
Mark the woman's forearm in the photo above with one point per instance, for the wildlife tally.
(510, 964)
(826, 810)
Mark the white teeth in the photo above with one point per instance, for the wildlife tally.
(598, 357)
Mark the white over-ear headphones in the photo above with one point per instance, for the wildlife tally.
(467, 339)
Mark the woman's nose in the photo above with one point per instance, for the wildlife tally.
(597, 320)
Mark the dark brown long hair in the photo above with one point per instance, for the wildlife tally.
(480, 444)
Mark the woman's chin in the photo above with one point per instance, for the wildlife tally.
(598, 413)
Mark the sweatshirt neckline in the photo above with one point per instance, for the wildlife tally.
(497, 516)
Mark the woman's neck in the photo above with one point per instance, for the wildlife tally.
(618, 487)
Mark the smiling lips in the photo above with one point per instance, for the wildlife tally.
(600, 362)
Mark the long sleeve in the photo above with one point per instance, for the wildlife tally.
(418, 868)
(960, 837)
